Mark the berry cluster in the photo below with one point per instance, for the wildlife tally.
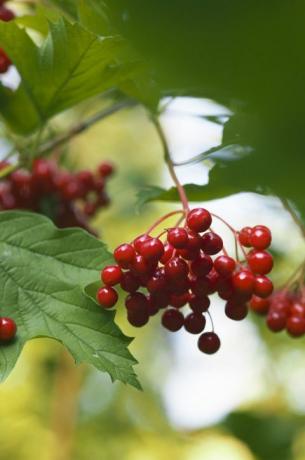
(8, 329)
(69, 199)
(169, 275)
(5, 15)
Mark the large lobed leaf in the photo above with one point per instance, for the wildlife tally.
(43, 274)
(71, 65)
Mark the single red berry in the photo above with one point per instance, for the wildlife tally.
(225, 288)
(199, 304)
(137, 302)
(124, 255)
(140, 266)
(236, 311)
(211, 243)
(152, 250)
(194, 242)
(137, 243)
(263, 286)
(202, 265)
(153, 308)
(194, 323)
(111, 275)
(244, 236)
(86, 178)
(276, 321)
(199, 220)
(297, 309)
(157, 282)
(296, 326)
(260, 262)
(259, 305)
(129, 282)
(106, 169)
(107, 297)
(209, 343)
(6, 14)
(176, 268)
(5, 62)
(172, 319)
(137, 318)
(260, 237)
(8, 329)
(224, 265)
(178, 301)
(213, 280)
(243, 282)
(168, 253)
(177, 237)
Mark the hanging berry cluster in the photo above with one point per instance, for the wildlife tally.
(182, 271)
(5, 15)
(69, 199)
(285, 309)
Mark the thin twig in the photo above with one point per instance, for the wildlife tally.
(81, 127)
(294, 215)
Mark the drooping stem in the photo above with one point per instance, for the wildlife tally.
(233, 231)
(83, 126)
(163, 218)
(294, 215)
(170, 165)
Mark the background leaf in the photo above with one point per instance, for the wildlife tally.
(43, 272)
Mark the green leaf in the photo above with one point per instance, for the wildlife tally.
(70, 66)
(43, 274)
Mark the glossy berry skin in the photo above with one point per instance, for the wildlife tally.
(152, 250)
(157, 282)
(224, 265)
(137, 318)
(178, 301)
(199, 220)
(168, 253)
(211, 243)
(137, 302)
(111, 275)
(244, 236)
(106, 169)
(276, 321)
(202, 265)
(209, 343)
(260, 262)
(260, 237)
(107, 297)
(295, 326)
(129, 282)
(176, 268)
(259, 305)
(8, 329)
(199, 304)
(243, 282)
(236, 311)
(137, 243)
(263, 286)
(194, 323)
(172, 319)
(124, 255)
(177, 237)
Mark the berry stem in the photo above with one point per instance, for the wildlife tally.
(170, 165)
(163, 218)
(292, 278)
(233, 231)
(211, 319)
(294, 215)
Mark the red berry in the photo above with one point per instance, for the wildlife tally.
(86, 178)
(276, 321)
(137, 318)
(6, 14)
(296, 326)
(263, 286)
(140, 266)
(199, 304)
(260, 237)
(194, 242)
(243, 282)
(259, 305)
(209, 343)
(244, 236)
(168, 253)
(297, 309)
(176, 269)
(107, 297)
(178, 301)
(111, 275)
(199, 220)
(137, 302)
(157, 282)
(172, 319)
(124, 255)
(8, 329)
(194, 323)
(153, 308)
(260, 262)
(211, 243)
(225, 288)
(202, 265)
(5, 62)
(161, 299)
(129, 282)
(106, 169)
(152, 250)
(224, 265)
(177, 237)
(236, 311)
(137, 243)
